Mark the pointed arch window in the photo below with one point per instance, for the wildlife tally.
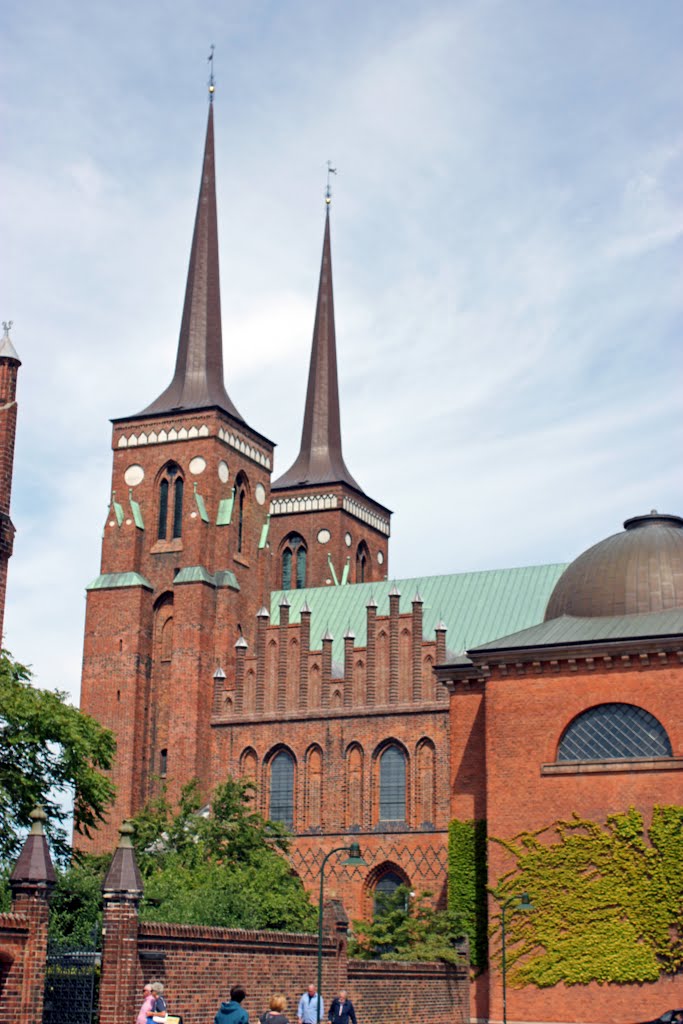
(294, 556)
(171, 488)
(362, 562)
(241, 506)
(282, 789)
(392, 785)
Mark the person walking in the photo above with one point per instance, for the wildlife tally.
(159, 1007)
(276, 1013)
(147, 1005)
(233, 1012)
(311, 1006)
(342, 1011)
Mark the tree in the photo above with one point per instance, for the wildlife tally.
(406, 927)
(607, 900)
(48, 747)
(221, 866)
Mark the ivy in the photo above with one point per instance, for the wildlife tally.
(607, 900)
(467, 885)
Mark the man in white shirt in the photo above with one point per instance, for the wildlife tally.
(311, 1007)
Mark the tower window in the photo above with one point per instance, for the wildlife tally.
(294, 559)
(241, 490)
(163, 761)
(170, 479)
(282, 789)
(392, 785)
(362, 559)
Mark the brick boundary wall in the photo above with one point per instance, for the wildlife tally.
(198, 965)
(421, 992)
(15, 932)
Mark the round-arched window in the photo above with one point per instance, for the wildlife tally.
(611, 731)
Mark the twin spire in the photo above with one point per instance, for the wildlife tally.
(198, 379)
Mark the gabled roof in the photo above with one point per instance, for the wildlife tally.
(569, 629)
(475, 606)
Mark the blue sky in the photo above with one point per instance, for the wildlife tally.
(507, 256)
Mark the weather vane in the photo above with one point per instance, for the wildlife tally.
(7, 324)
(212, 82)
(328, 190)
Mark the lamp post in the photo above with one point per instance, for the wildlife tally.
(354, 858)
(523, 903)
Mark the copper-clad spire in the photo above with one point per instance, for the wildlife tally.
(320, 459)
(198, 378)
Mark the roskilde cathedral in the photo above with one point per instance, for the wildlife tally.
(246, 626)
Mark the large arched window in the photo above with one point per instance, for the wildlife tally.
(392, 785)
(611, 731)
(389, 882)
(171, 487)
(282, 789)
(294, 563)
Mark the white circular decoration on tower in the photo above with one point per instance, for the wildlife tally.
(260, 494)
(324, 536)
(197, 465)
(380, 558)
(348, 539)
(223, 472)
(134, 475)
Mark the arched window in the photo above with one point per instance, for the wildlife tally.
(241, 505)
(392, 785)
(387, 885)
(167, 640)
(424, 796)
(314, 771)
(611, 731)
(362, 560)
(354, 787)
(170, 482)
(163, 762)
(294, 557)
(282, 789)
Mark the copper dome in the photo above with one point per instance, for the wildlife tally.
(639, 570)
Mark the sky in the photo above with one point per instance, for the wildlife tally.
(507, 227)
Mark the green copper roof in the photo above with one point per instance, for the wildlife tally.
(201, 506)
(570, 630)
(109, 580)
(224, 514)
(475, 606)
(264, 533)
(200, 574)
(137, 514)
(118, 510)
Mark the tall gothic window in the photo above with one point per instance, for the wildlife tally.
(171, 487)
(362, 559)
(387, 886)
(392, 785)
(241, 503)
(294, 563)
(282, 789)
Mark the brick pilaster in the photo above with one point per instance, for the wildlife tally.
(326, 669)
(282, 655)
(121, 978)
(394, 606)
(371, 652)
(261, 625)
(304, 650)
(417, 648)
(240, 654)
(349, 639)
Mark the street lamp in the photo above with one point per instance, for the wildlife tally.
(354, 859)
(523, 903)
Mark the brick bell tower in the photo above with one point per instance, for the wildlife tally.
(324, 529)
(9, 368)
(184, 557)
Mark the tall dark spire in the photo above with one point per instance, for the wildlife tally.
(320, 459)
(198, 379)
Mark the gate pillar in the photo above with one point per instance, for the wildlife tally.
(32, 882)
(121, 980)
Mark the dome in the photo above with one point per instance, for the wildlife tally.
(639, 570)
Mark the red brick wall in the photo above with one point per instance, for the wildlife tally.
(8, 429)
(527, 708)
(199, 965)
(23, 952)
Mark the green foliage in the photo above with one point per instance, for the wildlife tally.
(608, 904)
(225, 868)
(46, 747)
(467, 900)
(76, 904)
(406, 927)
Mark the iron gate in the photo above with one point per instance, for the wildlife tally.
(71, 983)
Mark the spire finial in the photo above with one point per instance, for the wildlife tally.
(212, 81)
(328, 190)
(7, 325)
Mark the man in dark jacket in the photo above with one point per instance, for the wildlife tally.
(342, 1011)
(232, 1012)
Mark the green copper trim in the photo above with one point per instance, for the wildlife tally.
(199, 574)
(111, 580)
(226, 578)
(224, 516)
(264, 533)
(201, 507)
(117, 509)
(137, 512)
